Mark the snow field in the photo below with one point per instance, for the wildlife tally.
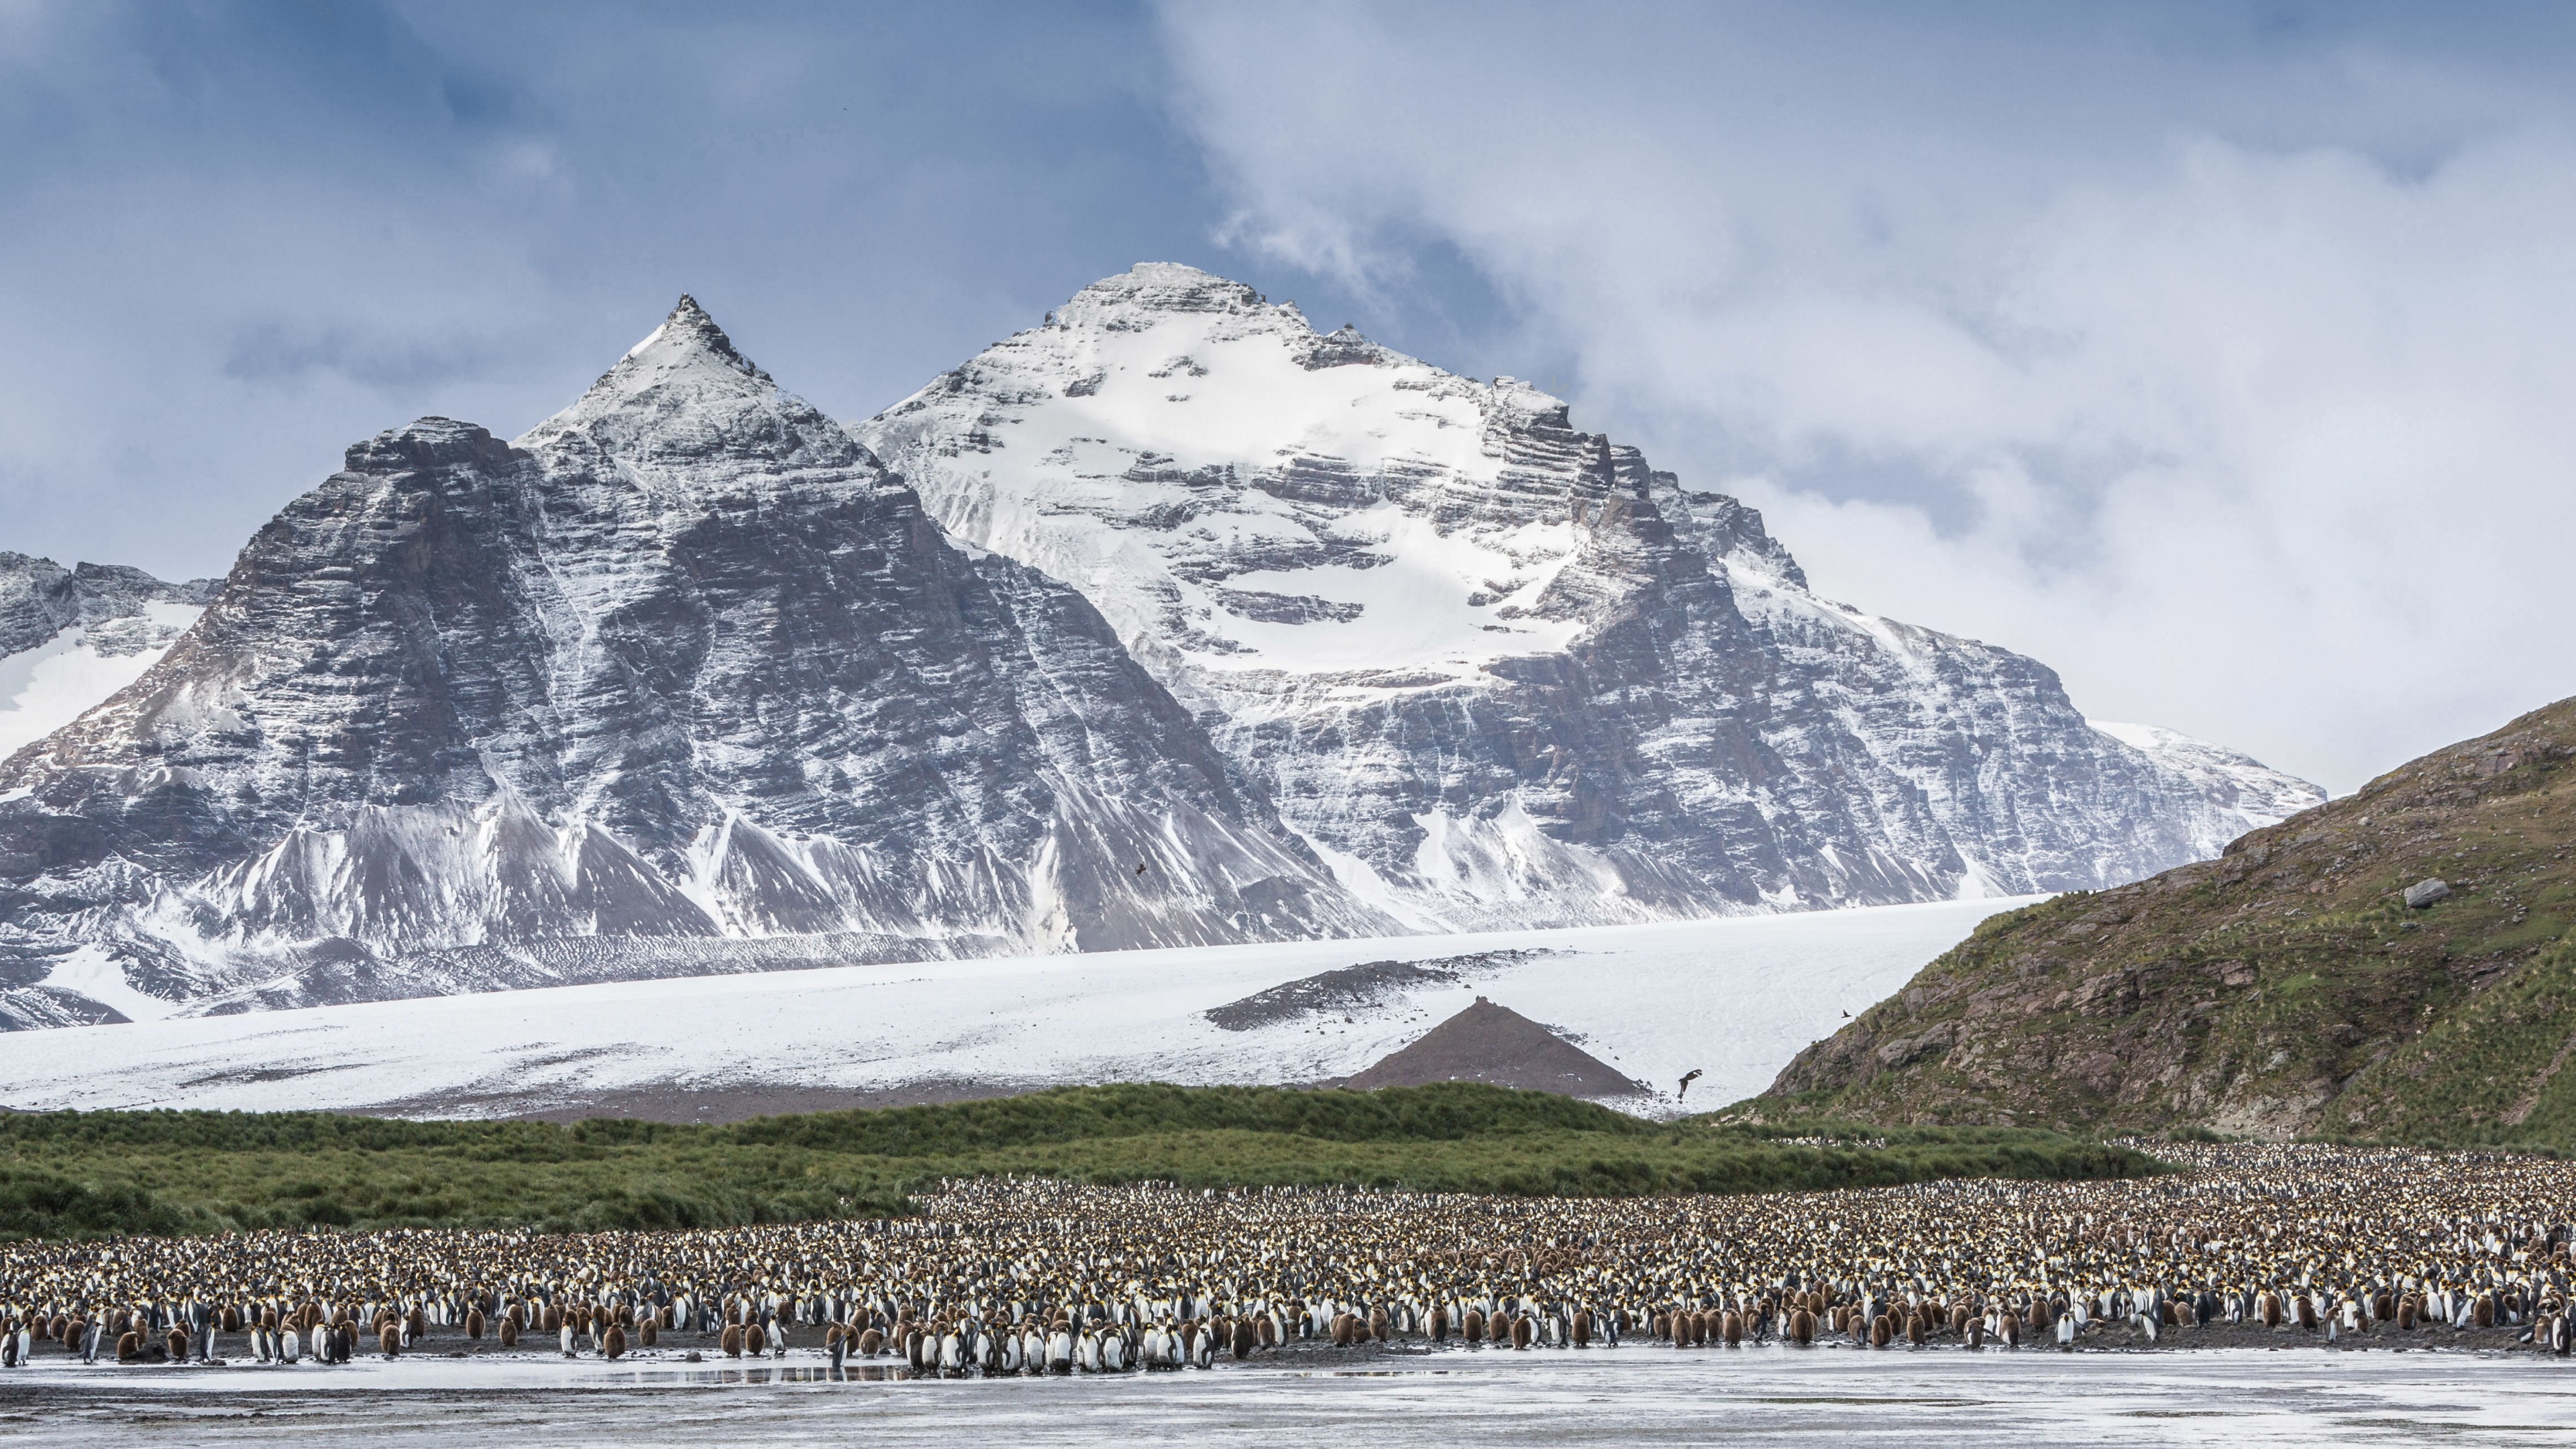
(1734, 997)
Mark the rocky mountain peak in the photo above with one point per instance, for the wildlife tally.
(421, 444)
(680, 671)
(685, 397)
(1159, 287)
(1498, 670)
(689, 336)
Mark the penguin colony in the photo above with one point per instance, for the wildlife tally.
(1037, 1276)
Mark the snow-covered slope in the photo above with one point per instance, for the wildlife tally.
(1496, 670)
(69, 638)
(681, 665)
(1734, 998)
(2249, 793)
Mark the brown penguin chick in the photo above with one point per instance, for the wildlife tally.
(1521, 1331)
(416, 1324)
(2268, 1308)
(731, 1343)
(1341, 1330)
(755, 1340)
(1472, 1327)
(1664, 1326)
(389, 1340)
(129, 1347)
(649, 1332)
(871, 1343)
(1917, 1328)
(1379, 1328)
(1879, 1332)
(1267, 1331)
(2010, 1328)
(612, 1344)
(1581, 1331)
(1730, 1328)
(232, 1318)
(1976, 1331)
(553, 1321)
(1802, 1326)
(1439, 1325)
(177, 1345)
(509, 1330)
(2307, 1314)
(1244, 1338)
(474, 1323)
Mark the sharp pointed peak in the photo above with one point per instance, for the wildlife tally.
(687, 362)
(690, 331)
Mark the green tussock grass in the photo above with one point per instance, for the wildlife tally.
(64, 1174)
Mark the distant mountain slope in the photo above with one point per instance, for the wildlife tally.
(2285, 988)
(70, 637)
(2248, 794)
(1497, 670)
(681, 663)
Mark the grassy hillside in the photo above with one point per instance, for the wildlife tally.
(2284, 988)
(63, 1173)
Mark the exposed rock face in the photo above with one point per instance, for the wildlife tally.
(2306, 981)
(2246, 793)
(1499, 671)
(681, 663)
(71, 637)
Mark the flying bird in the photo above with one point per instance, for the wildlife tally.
(1140, 870)
(1693, 1076)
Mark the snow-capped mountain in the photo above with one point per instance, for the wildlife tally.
(677, 673)
(71, 637)
(1498, 671)
(1177, 623)
(2248, 793)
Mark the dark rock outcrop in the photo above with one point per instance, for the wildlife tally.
(1494, 1044)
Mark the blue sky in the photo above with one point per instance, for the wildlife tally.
(2217, 355)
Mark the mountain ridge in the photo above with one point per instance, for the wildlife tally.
(1496, 670)
(684, 663)
(685, 668)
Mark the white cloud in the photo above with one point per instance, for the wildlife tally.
(2234, 384)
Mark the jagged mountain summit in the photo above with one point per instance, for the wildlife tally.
(676, 681)
(70, 637)
(1498, 671)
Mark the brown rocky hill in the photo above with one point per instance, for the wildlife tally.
(1497, 1045)
(2286, 988)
